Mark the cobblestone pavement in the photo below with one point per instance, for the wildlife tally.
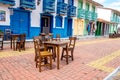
(94, 59)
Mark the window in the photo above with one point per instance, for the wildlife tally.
(59, 21)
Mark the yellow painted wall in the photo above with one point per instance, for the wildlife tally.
(78, 27)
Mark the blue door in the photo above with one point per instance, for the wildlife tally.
(69, 27)
(20, 22)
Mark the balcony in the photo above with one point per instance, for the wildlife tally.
(88, 15)
(71, 11)
(94, 16)
(10, 2)
(27, 4)
(81, 13)
(61, 8)
(49, 6)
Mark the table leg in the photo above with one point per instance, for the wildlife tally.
(67, 54)
(58, 53)
(11, 43)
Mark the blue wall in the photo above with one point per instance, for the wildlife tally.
(34, 31)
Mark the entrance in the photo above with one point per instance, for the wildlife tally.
(20, 21)
(69, 27)
(45, 24)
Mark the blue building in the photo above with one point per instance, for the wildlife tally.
(38, 16)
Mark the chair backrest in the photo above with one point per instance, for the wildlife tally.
(1, 41)
(43, 36)
(7, 31)
(39, 39)
(22, 37)
(49, 36)
(37, 46)
(72, 41)
(58, 37)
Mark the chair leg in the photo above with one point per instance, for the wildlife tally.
(24, 45)
(2, 46)
(54, 53)
(66, 56)
(50, 62)
(36, 64)
(62, 54)
(19, 47)
(72, 55)
(39, 64)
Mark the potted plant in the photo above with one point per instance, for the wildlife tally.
(1, 32)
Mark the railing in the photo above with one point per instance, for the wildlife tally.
(61, 8)
(81, 13)
(117, 20)
(49, 6)
(88, 15)
(10, 2)
(27, 4)
(71, 11)
(94, 16)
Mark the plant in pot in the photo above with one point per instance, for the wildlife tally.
(1, 32)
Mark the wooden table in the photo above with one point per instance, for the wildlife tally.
(12, 42)
(57, 44)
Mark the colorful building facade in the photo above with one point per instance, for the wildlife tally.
(108, 22)
(84, 24)
(38, 16)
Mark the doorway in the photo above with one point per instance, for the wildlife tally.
(69, 27)
(45, 24)
(20, 21)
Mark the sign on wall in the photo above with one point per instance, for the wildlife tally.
(2, 15)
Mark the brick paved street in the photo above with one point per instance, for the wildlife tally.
(94, 59)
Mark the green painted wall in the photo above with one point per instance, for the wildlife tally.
(85, 27)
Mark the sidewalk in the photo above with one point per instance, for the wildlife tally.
(94, 59)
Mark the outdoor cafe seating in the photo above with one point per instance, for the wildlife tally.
(52, 45)
(18, 41)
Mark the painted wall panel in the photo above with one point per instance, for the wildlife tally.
(78, 27)
(34, 31)
(75, 27)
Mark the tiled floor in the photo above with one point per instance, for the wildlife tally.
(94, 59)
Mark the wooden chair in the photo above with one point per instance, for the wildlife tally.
(57, 37)
(39, 38)
(49, 37)
(1, 41)
(43, 36)
(51, 48)
(71, 47)
(42, 59)
(20, 44)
